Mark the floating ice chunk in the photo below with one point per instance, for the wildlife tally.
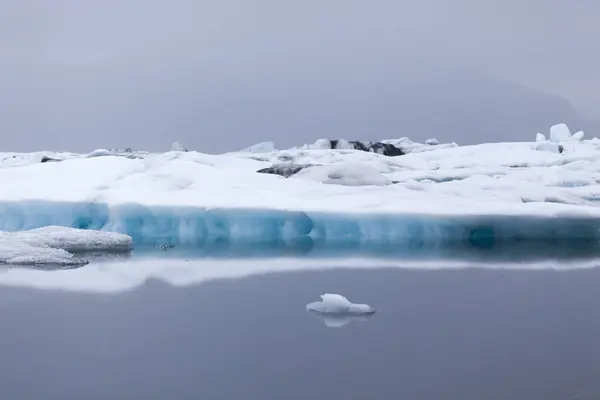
(578, 136)
(432, 141)
(73, 240)
(560, 133)
(323, 144)
(346, 173)
(178, 147)
(263, 147)
(100, 153)
(338, 304)
(540, 138)
(55, 245)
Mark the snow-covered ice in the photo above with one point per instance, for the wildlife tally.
(56, 245)
(337, 304)
(435, 194)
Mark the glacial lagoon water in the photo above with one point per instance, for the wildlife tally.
(179, 328)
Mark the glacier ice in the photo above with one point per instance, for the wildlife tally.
(263, 147)
(578, 136)
(100, 153)
(560, 133)
(434, 196)
(178, 147)
(56, 245)
(198, 226)
(338, 304)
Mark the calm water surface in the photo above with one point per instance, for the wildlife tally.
(454, 334)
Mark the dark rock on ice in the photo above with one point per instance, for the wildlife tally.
(285, 170)
(385, 149)
(46, 159)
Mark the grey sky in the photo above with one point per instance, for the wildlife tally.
(217, 75)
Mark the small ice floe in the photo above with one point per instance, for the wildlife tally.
(338, 304)
(57, 245)
(337, 311)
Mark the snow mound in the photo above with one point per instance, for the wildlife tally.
(100, 153)
(338, 304)
(345, 173)
(56, 245)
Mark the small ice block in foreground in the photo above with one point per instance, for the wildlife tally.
(55, 245)
(338, 304)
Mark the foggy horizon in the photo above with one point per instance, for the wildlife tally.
(219, 76)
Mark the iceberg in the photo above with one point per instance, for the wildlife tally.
(57, 245)
(560, 133)
(338, 304)
(431, 197)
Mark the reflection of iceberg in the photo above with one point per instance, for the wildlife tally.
(338, 305)
(339, 320)
(338, 311)
(110, 276)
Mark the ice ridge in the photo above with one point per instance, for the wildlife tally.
(151, 225)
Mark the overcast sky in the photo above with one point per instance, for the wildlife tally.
(222, 74)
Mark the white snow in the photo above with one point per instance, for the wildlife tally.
(345, 173)
(551, 147)
(55, 245)
(338, 304)
(436, 193)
